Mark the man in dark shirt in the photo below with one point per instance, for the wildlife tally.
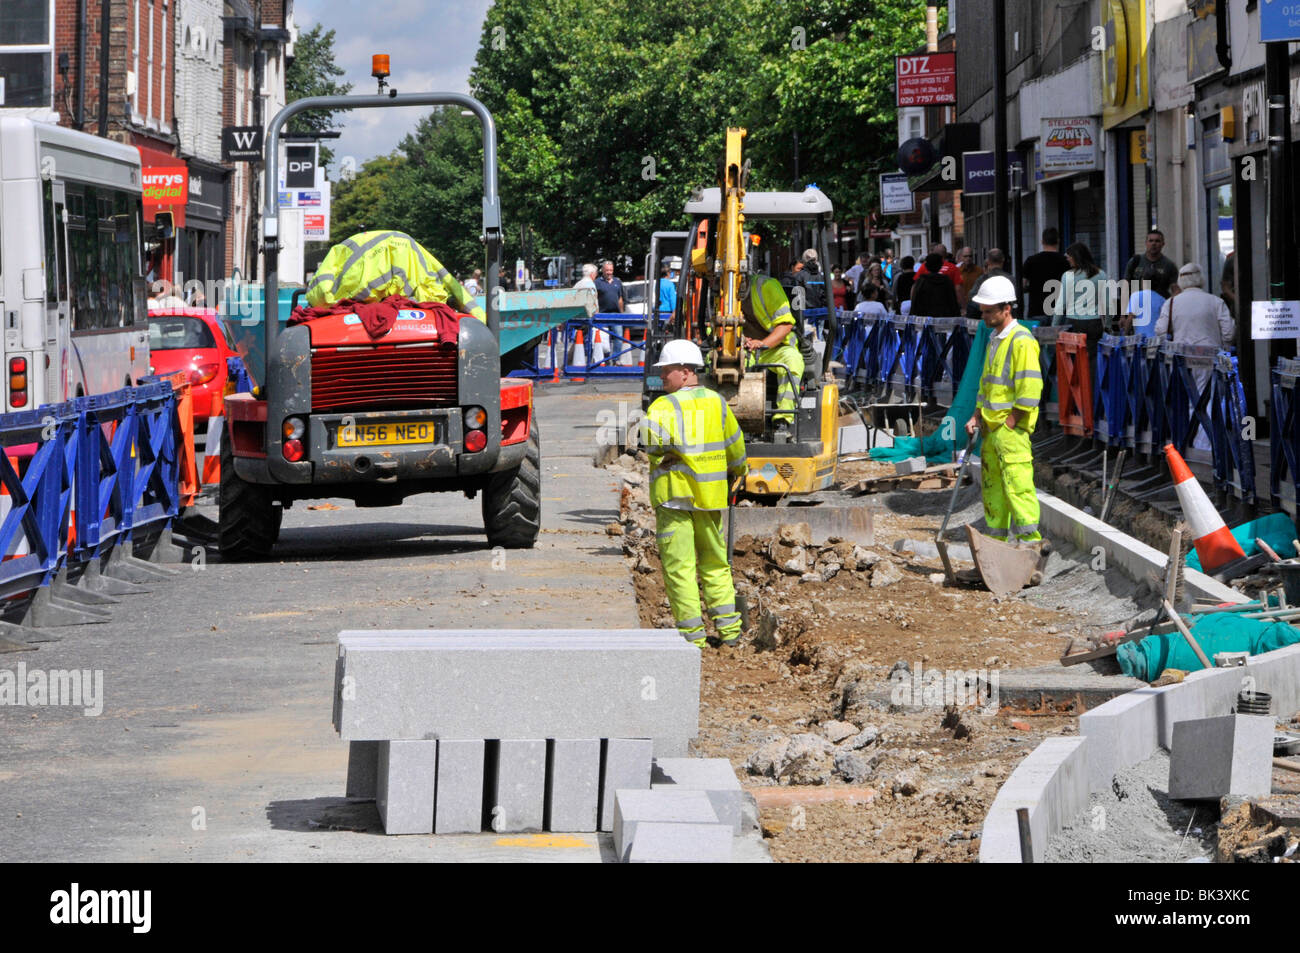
(933, 294)
(1041, 269)
(609, 290)
(1153, 266)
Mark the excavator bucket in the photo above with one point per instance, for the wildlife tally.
(1006, 568)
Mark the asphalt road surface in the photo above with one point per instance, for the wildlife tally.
(215, 742)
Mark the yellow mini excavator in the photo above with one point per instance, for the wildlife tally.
(800, 456)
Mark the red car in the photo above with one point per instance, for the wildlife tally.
(194, 340)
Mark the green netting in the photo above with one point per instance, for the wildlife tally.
(1215, 632)
(937, 447)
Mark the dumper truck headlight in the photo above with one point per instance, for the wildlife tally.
(475, 418)
(293, 428)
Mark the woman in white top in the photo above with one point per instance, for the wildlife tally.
(1082, 299)
(868, 303)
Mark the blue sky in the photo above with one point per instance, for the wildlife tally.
(431, 46)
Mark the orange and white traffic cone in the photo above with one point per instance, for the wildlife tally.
(1215, 544)
(212, 447)
(579, 354)
(21, 547)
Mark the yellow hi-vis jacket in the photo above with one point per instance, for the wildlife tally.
(373, 265)
(695, 447)
(1013, 378)
(768, 303)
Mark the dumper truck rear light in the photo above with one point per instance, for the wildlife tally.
(475, 440)
(475, 418)
(293, 428)
(293, 451)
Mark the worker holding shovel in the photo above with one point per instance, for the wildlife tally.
(1006, 412)
(696, 452)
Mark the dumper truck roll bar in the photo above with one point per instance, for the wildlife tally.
(271, 208)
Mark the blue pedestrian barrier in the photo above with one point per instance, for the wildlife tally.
(86, 479)
(1284, 446)
(1230, 423)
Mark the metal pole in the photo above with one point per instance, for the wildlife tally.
(1281, 284)
(1000, 185)
(271, 209)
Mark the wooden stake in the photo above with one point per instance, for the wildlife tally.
(1187, 634)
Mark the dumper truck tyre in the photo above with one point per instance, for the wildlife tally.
(248, 520)
(512, 501)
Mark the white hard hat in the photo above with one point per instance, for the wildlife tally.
(996, 289)
(680, 352)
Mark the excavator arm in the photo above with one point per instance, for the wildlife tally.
(731, 263)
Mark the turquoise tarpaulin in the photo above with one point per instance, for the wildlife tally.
(940, 446)
(1214, 632)
(1276, 529)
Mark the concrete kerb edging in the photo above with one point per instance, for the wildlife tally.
(1134, 558)
(1058, 776)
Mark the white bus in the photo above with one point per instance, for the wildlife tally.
(72, 297)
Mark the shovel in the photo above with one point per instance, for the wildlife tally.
(939, 542)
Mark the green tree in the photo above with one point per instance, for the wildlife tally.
(313, 72)
(609, 111)
(356, 201)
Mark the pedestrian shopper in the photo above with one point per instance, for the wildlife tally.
(696, 453)
(474, 283)
(995, 263)
(1083, 300)
(588, 279)
(1040, 271)
(814, 280)
(868, 303)
(1006, 412)
(1152, 265)
(969, 270)
(854, 275)
(1141, 313)
(933, 293)
(874, 276)
(903, 280)
(794, 283)
(1196, 317)
(888, 265)
(1228, 284)
(839, 288)
(609, 290)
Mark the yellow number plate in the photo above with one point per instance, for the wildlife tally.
(388, 434)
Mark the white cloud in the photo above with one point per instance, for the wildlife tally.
(431, 46)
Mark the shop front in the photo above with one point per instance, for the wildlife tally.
(165, 181)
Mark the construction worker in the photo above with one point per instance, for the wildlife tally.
(1006, 412)
(768, 327)
(371, 266)
(696, 453)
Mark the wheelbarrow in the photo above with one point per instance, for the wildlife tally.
(1002, 567)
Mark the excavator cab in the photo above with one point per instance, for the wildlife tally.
(800, 457)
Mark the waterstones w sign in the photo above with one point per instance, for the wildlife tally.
(241, 144)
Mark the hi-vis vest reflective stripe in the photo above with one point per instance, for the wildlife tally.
(768, 302)
(374, 265)
(695, 448)
(1013, 378)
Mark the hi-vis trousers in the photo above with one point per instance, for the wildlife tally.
(691, 546)
(1010, 502)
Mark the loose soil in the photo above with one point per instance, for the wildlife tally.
(936, 773)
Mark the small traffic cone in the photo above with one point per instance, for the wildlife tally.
(1215, 544)
(579, 355)
(6, 504)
